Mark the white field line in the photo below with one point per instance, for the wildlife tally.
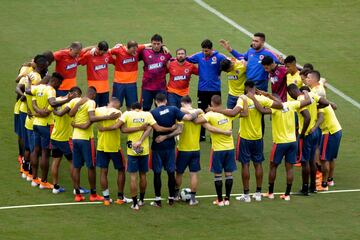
(149, 199)
(249, 34)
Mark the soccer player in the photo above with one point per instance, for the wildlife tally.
(222, 156)
(60, 139)
(329, 147)
(98, 72)
(293, 73)
(153, 81)
(250, 139)
(83, 112)
(66, 64)
(277, 77)
(313, 81)
(43, 102)
(308, 136)
(254, 69)
(180, 73)
(284, 138)
(235, 73)
(163, 145)
(208, 61)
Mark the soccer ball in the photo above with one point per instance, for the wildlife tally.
(185, 194)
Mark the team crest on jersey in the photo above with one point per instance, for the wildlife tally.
(223, 121)
(237, 72)
(40, 94)
(162, 58)
(261, 57)
(214, 60)
(138, 120)
(277, 72)
(163, 112)
(106, 60)
(186, 70)
(274, 79)
(99, 67)
(71, 66)
(285, 109)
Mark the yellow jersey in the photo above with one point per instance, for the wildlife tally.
(62, 130)
(189, 138)
(330, 123)
(220, 142)
(236, 78)
(296, 79)
(108, 141)
(137, 118)
(24, 70)
(250, 126)
(82, 116)
(283, 122)
(29, 121)
(312, 108)
(319, 90)
(42, 93)
(35, 80)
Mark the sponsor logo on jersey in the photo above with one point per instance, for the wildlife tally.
(128, 60)
(232, 77)
(155, 66)
(138, 120)
(163, 112)
(99, 67)
(181, 77)
(223, 121)
(71, 66)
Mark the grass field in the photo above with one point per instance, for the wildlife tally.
(324, 33)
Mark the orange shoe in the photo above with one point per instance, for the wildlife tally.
(19, 159)
(46, 185)
(120, 201)
(107, 202)
(285, 197)
(79, 198)
(96, 197)
(35, 182)
(322, 189)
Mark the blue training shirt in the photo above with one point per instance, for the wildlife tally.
(254, 69)
(165, 116)
(209, 70)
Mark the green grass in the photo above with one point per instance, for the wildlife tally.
(322, 32)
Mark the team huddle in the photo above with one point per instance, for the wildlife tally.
(54, 117)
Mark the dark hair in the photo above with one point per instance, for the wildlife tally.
(181, 49)
(92, 89)
(57, 76)
(39, 59)
(290, 59)
(160, 97)
(292, 87)
(225, 65)
(41, 63)
(260, 35)
(249, 84)
(207, 44)
(49, 56)
(157, 38)
(75, 89)
(308, 66)
(131, 44)
(136, 105)
(305, 71)
(186, 99)
(316, 74)
(267, 60)
(76, 45)
(306, 88)
(103, 46)
(216, 99)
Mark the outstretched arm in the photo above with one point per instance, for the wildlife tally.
(258, 106)
(117, 125)
(159, 128)
(61, 112)
(94, 118)
(82, 125)
(306, 101)
(126, 129)
(176, 132)
(213, 129)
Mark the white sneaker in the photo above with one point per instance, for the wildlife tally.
(269, 195)
(136, 207)
(226, 202)
(141, 203)
(127, 200)
(29, 178)
(244, 197)
(257, 196)
(34, 184)
(193, 203)
(23, 175)
(220, 204)
(285, 197)
(331, 183)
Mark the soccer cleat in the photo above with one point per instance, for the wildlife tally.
(107, 202)
(219, 203)
(322, 189)
(35, 182)
(171, 201)
(156, 204)
(193, 203)
(303, 192)
(23, 175)
(331, 183)
(141, 203)
(269, 195)
(59, 190)
(79, 198)
(29, 177)
(285, 197)
(312, 190)
(226, 202)
(135, 207)
(46, 185)
(95, 197)
(257, 196)
(244, 197)
(82, 191)
(122, 201)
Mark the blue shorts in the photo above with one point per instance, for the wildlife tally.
(127, 91)
(231, 101)
(61, 93)
(319, 133)
(250, 150)
(187, 159)
(103, 159)
(174, 100)
(138, 164)
(42, 136)
(147, 98)
(102, 99)
(329, 146)
(29, 142)
(60, 148)
(84, 151)
(220, 160)
(307, 147)
(281, 150)
(160, 159)
(22, 129)
(17, 124)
